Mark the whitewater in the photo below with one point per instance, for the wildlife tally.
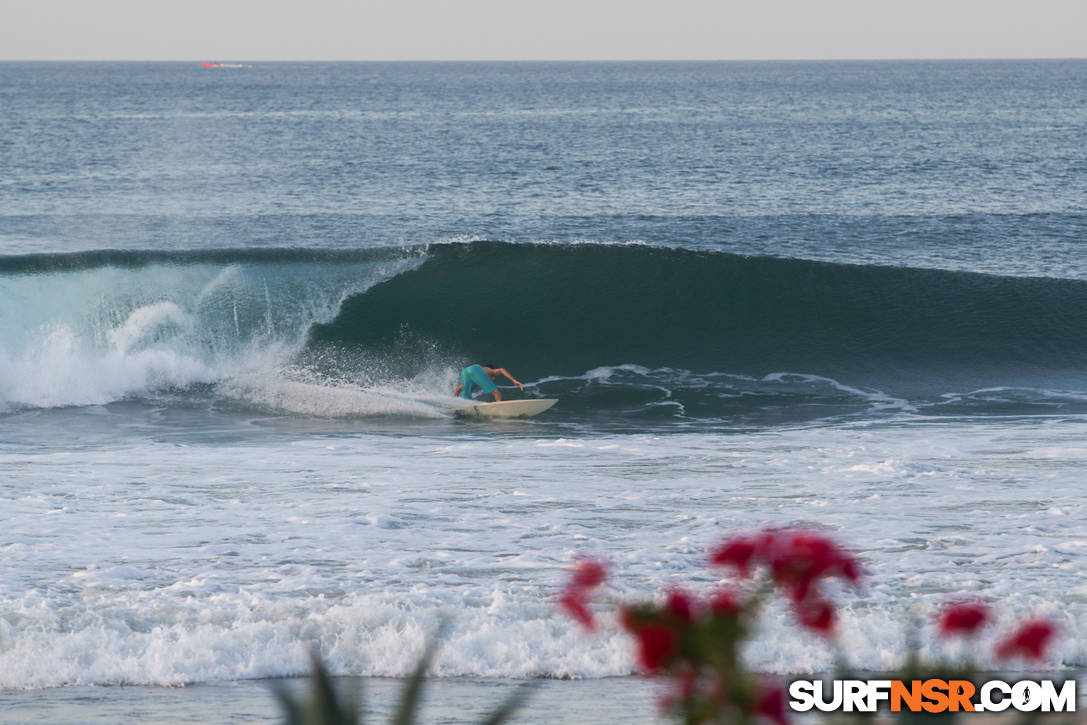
(233, 309)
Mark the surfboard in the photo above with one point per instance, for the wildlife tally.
(508, 408)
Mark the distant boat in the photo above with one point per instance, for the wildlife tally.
(225, 65)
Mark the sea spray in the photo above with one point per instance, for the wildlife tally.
(94, 329)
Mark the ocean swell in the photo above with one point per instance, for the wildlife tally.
(564, 309)
(651, 333)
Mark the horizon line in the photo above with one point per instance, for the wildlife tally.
(541, 60)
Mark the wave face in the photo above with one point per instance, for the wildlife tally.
(642, 334)
(553, 310)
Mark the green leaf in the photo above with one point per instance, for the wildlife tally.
(413, 691)
(292, 709)
(323, 707)
(512, 704)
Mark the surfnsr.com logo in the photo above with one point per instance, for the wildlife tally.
(932, 696)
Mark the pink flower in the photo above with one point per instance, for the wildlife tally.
(1031, 640)
(964, 618)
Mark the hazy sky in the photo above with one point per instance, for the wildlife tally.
(539, 29)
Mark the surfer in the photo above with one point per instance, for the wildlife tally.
(483, 377)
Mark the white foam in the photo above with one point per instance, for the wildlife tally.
(104, 334)
(61, 369)
(879, 399)
(219, 562)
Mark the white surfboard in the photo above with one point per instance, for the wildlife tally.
(508, 408)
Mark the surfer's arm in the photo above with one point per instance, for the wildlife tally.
(516, 382)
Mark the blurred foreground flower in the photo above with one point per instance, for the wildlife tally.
(797, 560)
(694, 642)
(588, 575)
(1030, 641)
(963, 618)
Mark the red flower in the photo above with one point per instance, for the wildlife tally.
(771, 704)
(588, 574)
(816, 615)
(681, 604)
(655, 646)
(577, 607)
(849, 568)
(736, 552)
(1031, 640)
(656, 642)
(963, 618)
(798, 558)
(724, 604)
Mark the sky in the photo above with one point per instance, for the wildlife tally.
(261, 30)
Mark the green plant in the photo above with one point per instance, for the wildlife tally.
(324, 706)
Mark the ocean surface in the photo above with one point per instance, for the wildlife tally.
(234, 303)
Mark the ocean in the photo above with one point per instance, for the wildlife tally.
(234, 303)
